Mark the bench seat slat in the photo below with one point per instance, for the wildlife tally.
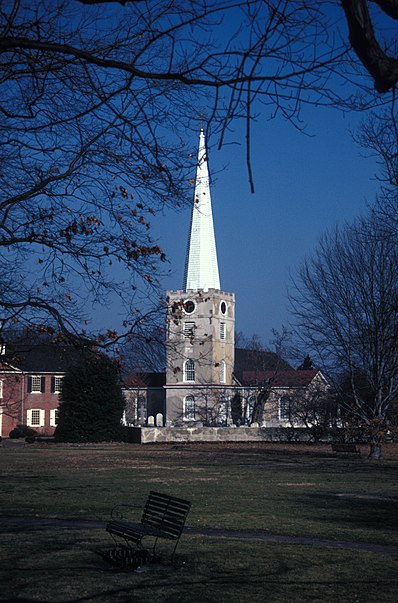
(134, 530)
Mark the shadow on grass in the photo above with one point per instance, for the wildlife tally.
(61, 566)
(353, 510)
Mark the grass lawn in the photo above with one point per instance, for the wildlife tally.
(287, 490)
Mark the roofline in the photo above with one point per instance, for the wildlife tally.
(27, 373)
(215, 386)
(11, 369)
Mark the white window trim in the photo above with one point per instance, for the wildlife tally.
(194, 306)
(29, 414)
(36, 391)
(1, 389)
(53, 417)
(192, 370)
(57, 390)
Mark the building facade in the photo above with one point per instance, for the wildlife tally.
(30, 381)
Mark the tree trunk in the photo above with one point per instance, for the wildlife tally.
(375, 452)
(258, 409)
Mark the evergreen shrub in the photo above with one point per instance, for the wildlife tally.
(22, 431)
(91, 401)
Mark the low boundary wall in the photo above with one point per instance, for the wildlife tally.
(152, 435)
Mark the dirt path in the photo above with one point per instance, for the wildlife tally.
(9, 522)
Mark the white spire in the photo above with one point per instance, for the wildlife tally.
(201, 266)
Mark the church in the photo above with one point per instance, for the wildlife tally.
(207, 381)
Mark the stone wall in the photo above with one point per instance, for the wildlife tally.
(151, 435)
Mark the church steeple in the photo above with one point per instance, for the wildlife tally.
(200, 322)
(201, 266)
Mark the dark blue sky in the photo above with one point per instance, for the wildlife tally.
(304, 184)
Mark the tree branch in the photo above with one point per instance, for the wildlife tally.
(383, 68)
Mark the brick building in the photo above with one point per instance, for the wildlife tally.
(31, 374)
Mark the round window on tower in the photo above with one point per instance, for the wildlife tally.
(189, 306)
(223, 307)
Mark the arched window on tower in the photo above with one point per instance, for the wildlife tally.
(222, 372)
(189, 408)
(189, 370)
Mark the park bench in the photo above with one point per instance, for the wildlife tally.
(163, 517)
(345, 448)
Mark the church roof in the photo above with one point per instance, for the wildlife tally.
(201, 265)
(144, 380)
(291, 378)
(257, 360)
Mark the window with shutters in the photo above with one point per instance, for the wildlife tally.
(35, 417)
(57, 384)
(54, 413)
(36, 384)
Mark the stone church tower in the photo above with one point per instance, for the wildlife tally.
(200, 320)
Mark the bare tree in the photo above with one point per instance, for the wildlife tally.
(344, 300)
(260, 360)
(97, 100)
(83, 170)
(378, 136)
(316, 409)
(145, 349)
(373, 51)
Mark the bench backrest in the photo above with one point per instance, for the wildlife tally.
(166, 513)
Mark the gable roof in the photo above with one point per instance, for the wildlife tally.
(40, 357)
(291, 378)
(144, 380)
(258, 360)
